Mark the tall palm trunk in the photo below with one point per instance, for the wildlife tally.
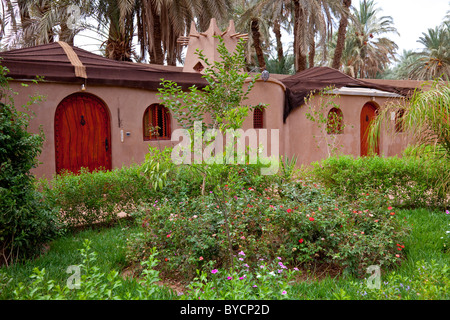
(66, 34)
(341, 35)
(277, 32)
(156, 54)
(312, 53)
(299, 29)
(256, 36)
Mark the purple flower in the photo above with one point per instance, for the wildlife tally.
(283, 292)
(255, 286)
(214, 271)
(242, 253)
(229, 278)
(447, 212)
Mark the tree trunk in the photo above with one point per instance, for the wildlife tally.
(312, 53)
(256, 36)
(66, 35)
(277, 32)
(156, 53)
(341, 35)
(299, 29)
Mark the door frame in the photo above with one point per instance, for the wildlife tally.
(104, 108)
(363, 135)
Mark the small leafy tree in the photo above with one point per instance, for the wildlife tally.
(221, 102)
(25, 220)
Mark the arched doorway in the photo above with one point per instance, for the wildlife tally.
(82, 133)
(368, 113)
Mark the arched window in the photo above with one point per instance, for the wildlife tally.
(399, 121)
(258, 118)
(156, 123)
(335, 121)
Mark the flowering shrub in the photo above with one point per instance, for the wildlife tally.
(298, 222)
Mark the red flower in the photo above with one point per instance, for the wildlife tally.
(301, 240)
(289, 210)
(392, 213)
(399, 249)
(311, 219)
(389, 208)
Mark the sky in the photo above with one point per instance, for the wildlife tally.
(411, 18)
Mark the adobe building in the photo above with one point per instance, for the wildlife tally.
(99, 112)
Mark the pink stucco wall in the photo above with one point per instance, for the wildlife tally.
(296, 135)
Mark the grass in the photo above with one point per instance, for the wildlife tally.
(424, 243)
(108, 243)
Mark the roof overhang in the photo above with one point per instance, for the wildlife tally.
(356, 91)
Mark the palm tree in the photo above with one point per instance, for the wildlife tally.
(367, 51)
(35, 22)
(252, 18)
(341, 34)
(309, 19)
(116, 17)
(161, 22)
(402, 69)
(312, 18)
(434, 60)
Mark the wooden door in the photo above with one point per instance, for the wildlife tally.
(368, 113)
(82, 134)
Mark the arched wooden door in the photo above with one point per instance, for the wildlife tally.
(368, 113)
(82, 134)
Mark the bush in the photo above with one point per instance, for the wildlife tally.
(90, 197)
(298, 222)
(25, 221)
(408, 181)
